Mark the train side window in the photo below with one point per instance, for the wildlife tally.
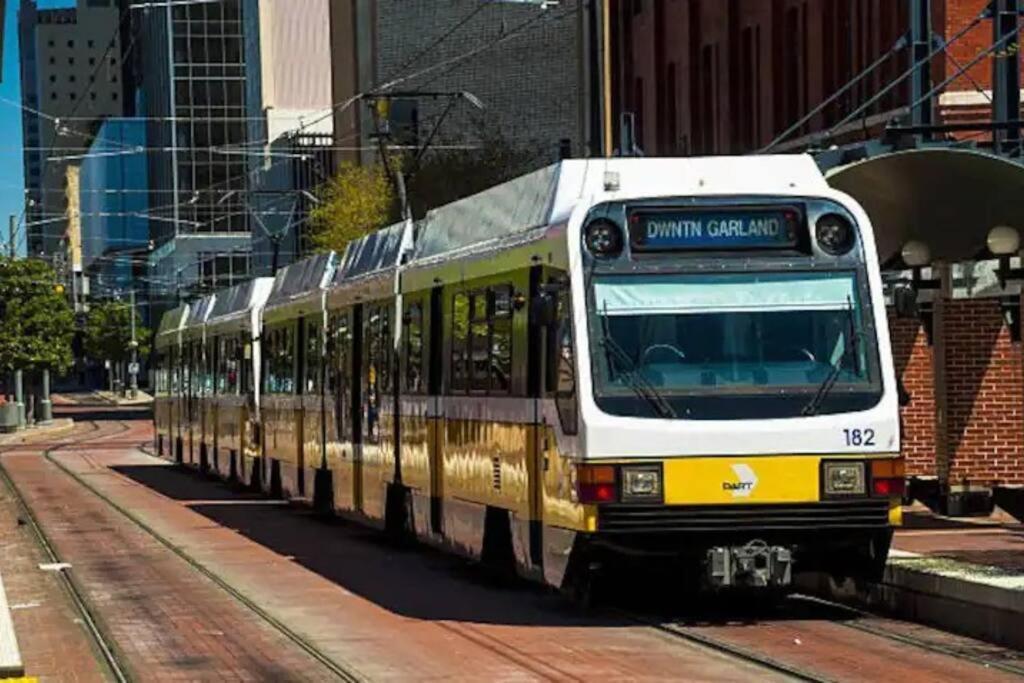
(500, 355)
(373, 374)
(343, 389)
(314, 359)
(288, 364)
(564, 346)
(460, 335)
(413, 349)
(479, 343)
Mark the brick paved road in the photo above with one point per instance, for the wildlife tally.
(54, 645)
(168, 621)
(389, 614)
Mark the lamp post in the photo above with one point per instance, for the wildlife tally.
(133, 345)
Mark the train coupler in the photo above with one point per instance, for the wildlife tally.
(754, 565)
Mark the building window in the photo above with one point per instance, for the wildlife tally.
(53, 60)
(71, 61)
(92, 96)
(113, 96)
(50, 43)
(71, 78)
(217, 271)
(53, 79)
(92, 61)
(71, 44)
(91, 43)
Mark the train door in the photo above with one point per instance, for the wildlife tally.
(536, 450)
(435, 417)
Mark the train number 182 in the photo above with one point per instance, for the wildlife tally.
(859, 437)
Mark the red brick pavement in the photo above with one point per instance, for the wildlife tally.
(168, 621)
(54, 645)
(392, 614)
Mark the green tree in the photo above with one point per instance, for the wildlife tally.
(36, 320)
(361, 199)
(355, 202)
(108, 332)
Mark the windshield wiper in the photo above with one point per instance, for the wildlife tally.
(850, 346)
(634, 379)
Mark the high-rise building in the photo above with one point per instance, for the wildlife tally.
(288, 61)
(191, 91)
(71, 80)
(114, 206)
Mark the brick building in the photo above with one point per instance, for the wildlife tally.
(730, 76)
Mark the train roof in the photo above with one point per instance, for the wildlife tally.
(234, 306)
(198, 313)
(300, 285)
(369, 268)
(380, 250)
(170, 324)
(513, 211)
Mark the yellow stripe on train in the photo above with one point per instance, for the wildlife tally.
(744, 480)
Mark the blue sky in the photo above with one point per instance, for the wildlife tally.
(12, 180)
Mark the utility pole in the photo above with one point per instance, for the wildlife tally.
(12, 226)
(1006, 74)
(920, 48)
(133, 369)
(606, 78)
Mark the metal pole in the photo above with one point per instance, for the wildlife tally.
(920, 48)
(1006, 73)
(133, 369)
(45, 404)
(19, 397)
(606, 77)
(12, 226)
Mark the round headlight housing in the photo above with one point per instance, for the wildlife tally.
(603, 238)
(834, 234)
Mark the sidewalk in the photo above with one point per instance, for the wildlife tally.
(53, 429)
(104, 398)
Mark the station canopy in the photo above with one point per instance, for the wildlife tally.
(945, 196)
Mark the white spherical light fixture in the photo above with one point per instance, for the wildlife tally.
(916, 254)
(1003, 240)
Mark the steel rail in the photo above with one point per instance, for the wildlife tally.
(343, 670)
(905, 639)
(108, 649)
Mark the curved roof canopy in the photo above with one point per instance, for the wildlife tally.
(947, 197)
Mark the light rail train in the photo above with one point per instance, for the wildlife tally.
(653, 360)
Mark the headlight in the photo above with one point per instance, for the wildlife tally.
(641, 483)
(834, 234)
(844, 479)
(603, 238)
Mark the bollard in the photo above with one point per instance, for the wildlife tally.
(19, 398)
(45, 405)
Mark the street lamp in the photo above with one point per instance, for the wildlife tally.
(1004, 242)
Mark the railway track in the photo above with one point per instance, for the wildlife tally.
(715, 635)
(113, 660)
(342, 671)
(719, 633)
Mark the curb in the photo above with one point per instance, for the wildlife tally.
(59, 427)
(11, 665)
(971, 600)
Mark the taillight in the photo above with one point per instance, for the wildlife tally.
(887, 477)
(596, 484)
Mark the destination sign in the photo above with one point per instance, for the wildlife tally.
(740, 228)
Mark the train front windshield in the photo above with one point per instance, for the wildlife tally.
(732, 346)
